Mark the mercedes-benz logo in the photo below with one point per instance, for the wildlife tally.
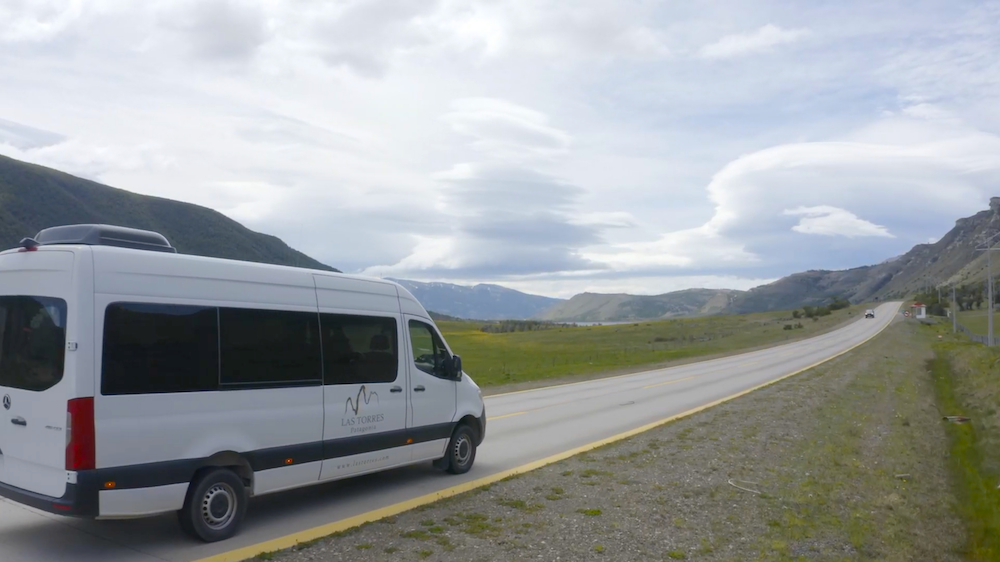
(6, 401)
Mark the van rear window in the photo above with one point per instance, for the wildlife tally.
(32, 342)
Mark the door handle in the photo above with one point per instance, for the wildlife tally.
(19, 421)
(419, 388)
(396, 389)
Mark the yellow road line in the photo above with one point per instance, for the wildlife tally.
(495, 418)
(288, 541)
(670, 382)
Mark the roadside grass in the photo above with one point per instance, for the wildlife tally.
(977, 321)
(859, 480)
(967, 382)
(516, 357)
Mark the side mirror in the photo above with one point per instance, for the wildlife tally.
(455, 367)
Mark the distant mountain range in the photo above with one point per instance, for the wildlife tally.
(34, 197)
(481, 302)
(597, 307)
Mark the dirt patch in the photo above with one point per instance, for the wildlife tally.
(847, 461)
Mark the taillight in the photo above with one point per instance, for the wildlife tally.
(80, 449)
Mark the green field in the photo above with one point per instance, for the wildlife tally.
(497, 359)
(977, 321)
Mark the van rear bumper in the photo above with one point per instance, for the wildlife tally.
(80, 499)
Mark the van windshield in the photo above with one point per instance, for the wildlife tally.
(32, 342)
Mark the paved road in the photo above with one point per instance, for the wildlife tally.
(523, 427)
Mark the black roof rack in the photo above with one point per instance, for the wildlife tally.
(102, 235)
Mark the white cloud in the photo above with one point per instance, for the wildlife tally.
(762, 40)
(217, 29)
(37, 20)
(605, 29)
(825, 220)
(92, 161)
(505, 130)
(23, 137)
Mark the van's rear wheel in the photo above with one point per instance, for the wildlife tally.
(461, 450)
(215, 506)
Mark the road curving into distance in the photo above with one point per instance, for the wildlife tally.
(525, 430)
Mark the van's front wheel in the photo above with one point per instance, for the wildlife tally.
(461, 450)
(215, 506)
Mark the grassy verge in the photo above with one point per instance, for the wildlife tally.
(844, 462)
(977, 321)
(519, 357)
(967, 380)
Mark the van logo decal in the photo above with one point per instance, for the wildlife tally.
(351, 404)
(6, 401)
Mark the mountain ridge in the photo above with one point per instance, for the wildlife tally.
(34, 197)
(484, 301)
(609, 307)
(953, 259)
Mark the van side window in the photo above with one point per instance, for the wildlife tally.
(32, 342)
(157, 348)
(269, 348)
(429, 352)
(359, 349)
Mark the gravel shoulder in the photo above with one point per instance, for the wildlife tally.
(846, 461)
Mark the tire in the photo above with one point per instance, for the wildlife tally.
(461, 450)
(215, 506)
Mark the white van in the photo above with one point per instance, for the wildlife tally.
(138, 381)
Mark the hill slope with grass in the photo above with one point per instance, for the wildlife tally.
(596, 307)
(34, 197)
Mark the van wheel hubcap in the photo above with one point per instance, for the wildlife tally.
(463, 449)
(218, 506)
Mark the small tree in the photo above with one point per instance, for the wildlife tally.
(839, 303)
(796, 314)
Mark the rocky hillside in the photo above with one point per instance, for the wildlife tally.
(595, 307)
(481, 302)
(952, 259)
(34, 197)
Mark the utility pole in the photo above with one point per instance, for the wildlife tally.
(954, 311)
(988, 247)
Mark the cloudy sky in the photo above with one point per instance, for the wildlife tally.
(553, 147)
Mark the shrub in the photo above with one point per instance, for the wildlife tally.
(788, 326)
(838, 303)
(796, 314)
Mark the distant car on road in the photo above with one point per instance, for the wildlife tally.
(869, 313)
